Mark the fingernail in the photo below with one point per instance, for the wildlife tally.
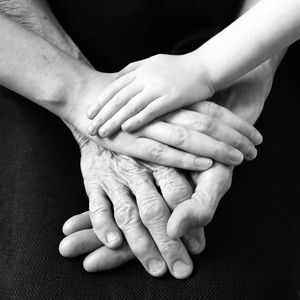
(102, 132)
(91, 130)
(90, 114)
(124, 126)
(252, 152)
(257, 137)
(193, 244)
(203, 163)
(180, 268)
(154, 265)
(235, 156)
(111, 237)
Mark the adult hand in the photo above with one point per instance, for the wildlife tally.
(211, 184)
(245, 98)
(165, 143)
(139, 211)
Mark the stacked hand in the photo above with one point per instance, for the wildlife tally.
(192, 211)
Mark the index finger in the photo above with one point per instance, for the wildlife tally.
(226, 116)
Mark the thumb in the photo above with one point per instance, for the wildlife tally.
(200, 209)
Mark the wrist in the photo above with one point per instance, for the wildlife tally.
(200, 71)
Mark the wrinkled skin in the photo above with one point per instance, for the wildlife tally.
(245, 98)
(137, 205)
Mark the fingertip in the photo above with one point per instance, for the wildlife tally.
(126, 126)
(65, 248)
(203, 164)
(91, 114)
(176, 228)
(113, 240)
(235, 157)
(182, 269)
(92, 130)
(68, 227)
(256, 137)
(89, 265)
(103, 132)
(196, 244)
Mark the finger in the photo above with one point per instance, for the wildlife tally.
(79, 242)
(156, 108)
(226, 116)
(102, 219)
(137, 103)
(213, 128)
(150, 150)
(154, 214)
(112, 107)
(105, 258)
(193, 142)
(175, 189)
(107, 94)
(76, 223)
(155, 152)
(138, 238)
(174, 186)
(195, 240)
(199, 210)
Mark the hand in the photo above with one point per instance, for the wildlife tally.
(143, 221)
(146, 90)
(246, 98)
(152, 142)
(211, 184)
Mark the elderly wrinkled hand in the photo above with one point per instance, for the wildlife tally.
(123, 200)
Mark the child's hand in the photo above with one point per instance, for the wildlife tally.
(146, 90)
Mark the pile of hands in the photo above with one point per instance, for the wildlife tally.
(149, 210)
(141, 205)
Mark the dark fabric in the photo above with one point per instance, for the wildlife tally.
(253, 247)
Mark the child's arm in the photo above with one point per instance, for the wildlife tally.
(263, 31)
(160, 84)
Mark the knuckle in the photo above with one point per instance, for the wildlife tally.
(156, 153)
(126, 215)
(96, 207)
(239, 142)
(133, 108)
(180, 135)
(178, 193)
(204, 124)
(211, 109)
(169, 247)
(141, 246)
(151, 210)
(206, 207)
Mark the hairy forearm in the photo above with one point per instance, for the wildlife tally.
(36, 16)
(34, 68)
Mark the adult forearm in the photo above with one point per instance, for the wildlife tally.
(36, 16)
(34, 68)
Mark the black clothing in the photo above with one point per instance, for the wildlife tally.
(253, 243)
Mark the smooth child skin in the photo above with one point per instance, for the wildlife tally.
(146, 90)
